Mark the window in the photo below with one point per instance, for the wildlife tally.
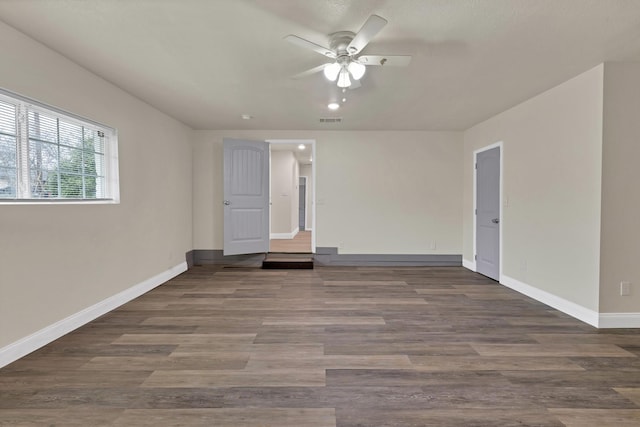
(48, 155)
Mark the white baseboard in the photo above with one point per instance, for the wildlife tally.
(287, 236)
(619, 320)
(470, 265)
(28, 344)
(572, 309)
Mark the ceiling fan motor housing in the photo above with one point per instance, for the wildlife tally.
(339, 42)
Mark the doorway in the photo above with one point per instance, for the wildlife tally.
(488, 211)
(292, 193)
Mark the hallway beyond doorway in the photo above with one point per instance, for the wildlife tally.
(299, 244)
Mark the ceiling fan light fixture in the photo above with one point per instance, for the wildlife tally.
(331, 71)
(343, 78)
(348, 66)
(356, 69)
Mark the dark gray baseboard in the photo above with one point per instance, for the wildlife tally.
(215, 256)
(329, 256)
(189, 258)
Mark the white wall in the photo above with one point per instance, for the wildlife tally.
(295, 200)
(284, 196)
(56, 260)
(620, 195)
(377, 192)
(306, 170)
(552, 178)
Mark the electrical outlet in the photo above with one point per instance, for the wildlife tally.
(433, 244)
(625, 288)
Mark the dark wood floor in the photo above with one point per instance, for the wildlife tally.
(325, 347)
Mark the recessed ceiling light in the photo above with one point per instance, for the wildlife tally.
(333, 106)
(301, 147)
(246, 117)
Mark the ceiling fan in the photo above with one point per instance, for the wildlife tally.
(345, 49)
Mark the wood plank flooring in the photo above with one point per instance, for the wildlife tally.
(301, 243)
(229, 346)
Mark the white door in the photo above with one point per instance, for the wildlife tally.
(246, 197)
(488, 213)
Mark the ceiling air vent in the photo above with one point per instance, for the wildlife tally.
(330, 119)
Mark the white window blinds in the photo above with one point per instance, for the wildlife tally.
(8, 150)
(47, 155)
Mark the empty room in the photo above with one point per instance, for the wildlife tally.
(319, 213)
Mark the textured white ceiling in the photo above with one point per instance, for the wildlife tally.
(206, 62)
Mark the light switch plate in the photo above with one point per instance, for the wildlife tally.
(625, 288)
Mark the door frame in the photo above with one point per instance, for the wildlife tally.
(500, 146)
(311, 142)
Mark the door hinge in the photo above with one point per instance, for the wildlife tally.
(476, 166)
(475, 257)
(476, 211)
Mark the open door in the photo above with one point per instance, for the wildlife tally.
(246, 197)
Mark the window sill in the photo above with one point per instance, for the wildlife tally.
(58, 202)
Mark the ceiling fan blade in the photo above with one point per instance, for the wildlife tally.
(385, 60)
(309, 72)
(310, 45)
(355, 84)
(368, 31)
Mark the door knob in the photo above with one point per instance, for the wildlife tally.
(227, 203)
(495, 220)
